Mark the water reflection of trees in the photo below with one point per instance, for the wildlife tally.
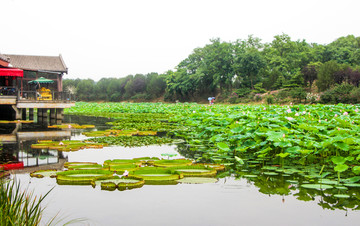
(291, 185)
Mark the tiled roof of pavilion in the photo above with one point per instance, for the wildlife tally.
(38, 63)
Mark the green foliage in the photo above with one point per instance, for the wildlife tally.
(19, 207)
(265, 144)
(132, 141)
(258, 88)
(339, 94)
(242, 92)
(298, 93)
(220, 67)
(355, 95)
(269, 99)
(326, 75)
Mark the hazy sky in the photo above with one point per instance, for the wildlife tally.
(115, 38)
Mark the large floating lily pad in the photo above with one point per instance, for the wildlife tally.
(44, 173)
(71, 126)
(116, 162)
(147, 160)
(217, 167)
(197, 180)
(195, 171)
(157, 174)
(67, 164)
(132, 141)
(120, 168)
(15, 121)
(112, 132)
(68, 145)
(121, 183)
(172, 163)
(87, 167)
(83, 176)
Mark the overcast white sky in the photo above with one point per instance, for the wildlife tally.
(115, 38)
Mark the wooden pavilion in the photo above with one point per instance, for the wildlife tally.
(17, 73)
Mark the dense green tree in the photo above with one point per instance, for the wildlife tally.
(222, 68)
(85, 90)
(326, 75)
(155, 85)
(310, 72)
(251, 63)
(218, 62)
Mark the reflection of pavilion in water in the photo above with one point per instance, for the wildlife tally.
(16, 140)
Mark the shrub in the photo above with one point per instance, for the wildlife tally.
(298, 93)
(355, 95)
(327, 97)
(139, 96)
(342, 92)
(234, 100)
(258, 88)
(269, 99)
(257, 97)
(242, 92)
(338, 94)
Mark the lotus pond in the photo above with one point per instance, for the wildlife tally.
(291, 165)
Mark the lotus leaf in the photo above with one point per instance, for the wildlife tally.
(317, 186)
(342, 196)
(325, 181)
(352, 185)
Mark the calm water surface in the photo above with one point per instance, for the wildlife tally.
(229, 201)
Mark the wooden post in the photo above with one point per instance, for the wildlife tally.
(39, 113)
(45, 114)
(23, 113)
(59, 113)
(52, 113)
(31, 113)
(17, 112)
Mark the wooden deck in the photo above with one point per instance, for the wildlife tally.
(42, 135)
(44, 104)
(15, 107)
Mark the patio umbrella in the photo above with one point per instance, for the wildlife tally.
(41, 80)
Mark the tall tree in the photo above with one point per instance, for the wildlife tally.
(251, 63)
(85, 90)
(310, 72)
(326, 75)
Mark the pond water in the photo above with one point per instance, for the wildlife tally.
(230, 201)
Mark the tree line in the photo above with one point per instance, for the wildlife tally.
(241, 69)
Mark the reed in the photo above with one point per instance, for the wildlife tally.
(19, 207)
